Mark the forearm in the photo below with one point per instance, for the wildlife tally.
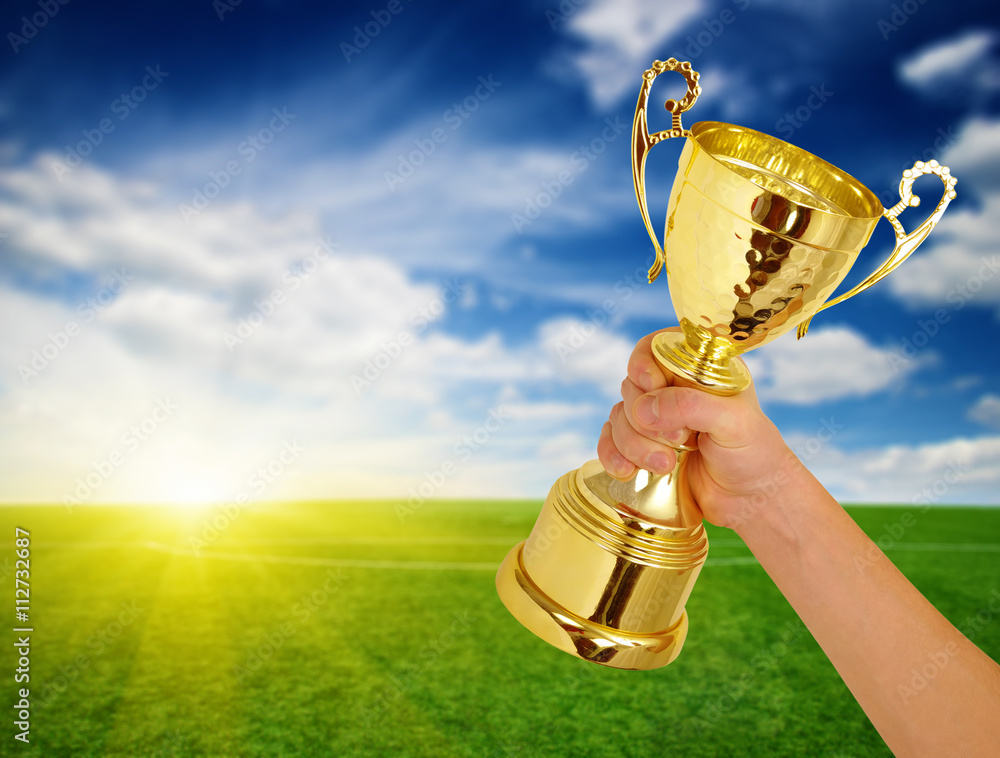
(875, 627)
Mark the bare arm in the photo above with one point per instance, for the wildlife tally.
(926, 688)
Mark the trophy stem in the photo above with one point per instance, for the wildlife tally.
(702, 358)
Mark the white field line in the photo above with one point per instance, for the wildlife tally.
(735, 560)
(912, 547)
(743, 560)
(945, 547)
(402, 540)
(302, 560)
(405, 565)
(937, 547)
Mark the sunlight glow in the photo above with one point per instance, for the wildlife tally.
(191, 489)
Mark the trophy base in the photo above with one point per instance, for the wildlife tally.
(578, 636)
(703, 360)
(603, 581)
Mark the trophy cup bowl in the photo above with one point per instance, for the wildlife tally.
(759, 233)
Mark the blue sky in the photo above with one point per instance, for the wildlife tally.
(289, 238)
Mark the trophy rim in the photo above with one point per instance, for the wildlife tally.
(874, 209)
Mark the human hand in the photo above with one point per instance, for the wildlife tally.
(740, 455)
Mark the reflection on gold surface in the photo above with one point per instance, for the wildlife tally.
(759, 234)
(602, 581)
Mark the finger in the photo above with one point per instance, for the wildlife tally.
(643, 369)
(638, 449)
(724, 419)
(612, 460)
(643, 416)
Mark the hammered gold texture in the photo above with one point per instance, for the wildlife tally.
(759, 234)
(743, 272)
(745, 263)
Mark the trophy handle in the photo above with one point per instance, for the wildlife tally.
(905, 243)
(642, 140)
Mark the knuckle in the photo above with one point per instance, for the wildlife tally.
(684, 400)
(616, 411)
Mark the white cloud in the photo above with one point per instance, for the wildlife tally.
(958, 68)
(986, 411)
(974, 157)
(621, 39)
(160, 339)
(957, 272)
(732, 92)
(562, 452)
(827, 364)
(962, 470)
(257, 331)
(583, 351)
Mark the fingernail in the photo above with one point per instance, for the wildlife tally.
(658, 462)
(645, 381)
(678, 437)
(645, 409)
(620, 465)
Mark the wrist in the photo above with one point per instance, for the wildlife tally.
(777, 510)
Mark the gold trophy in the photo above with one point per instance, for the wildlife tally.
(759, 234)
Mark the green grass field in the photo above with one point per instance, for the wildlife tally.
(335, 629)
